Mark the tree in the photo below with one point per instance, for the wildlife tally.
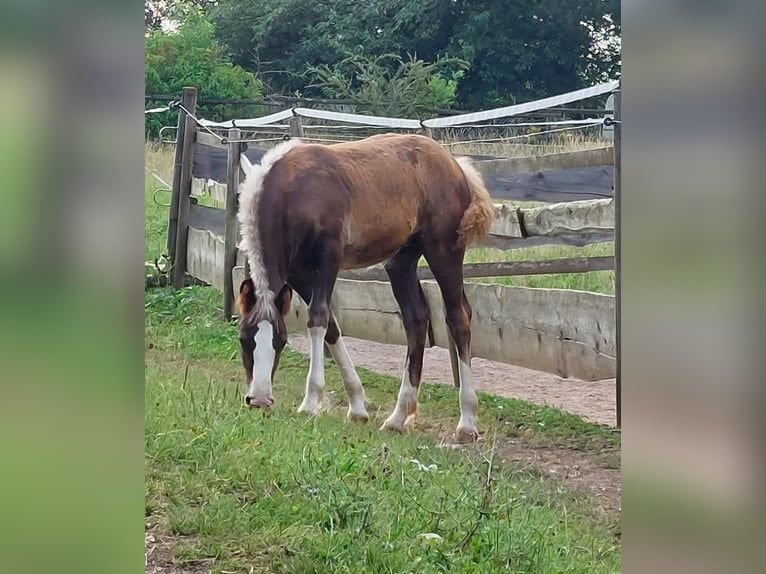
(525, 49)
(282, 40)
(190, 56)
(514, 49)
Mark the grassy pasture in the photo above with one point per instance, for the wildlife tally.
(230, 490)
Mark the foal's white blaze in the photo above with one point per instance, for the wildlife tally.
(351, 381)
(469, 404)
(406, 403)
(312, 401)
(260, 393)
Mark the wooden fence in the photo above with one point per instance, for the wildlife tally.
(568, 333)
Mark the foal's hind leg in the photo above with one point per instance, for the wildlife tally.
(402, 272)
(447, 267)
(351, 381)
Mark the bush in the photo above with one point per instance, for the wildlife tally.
(387, 85)
(190, 56)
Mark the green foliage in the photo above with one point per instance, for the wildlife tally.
(515, 51)
(390, 85)
(190, 56)
(530, 49)
(282, 40)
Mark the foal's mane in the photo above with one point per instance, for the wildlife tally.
(249, 195)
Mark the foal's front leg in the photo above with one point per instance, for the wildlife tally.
(327, 262)
(314, 397)
(351, 381)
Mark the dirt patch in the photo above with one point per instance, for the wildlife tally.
(594, 401)
(158, 554)
(574, 468)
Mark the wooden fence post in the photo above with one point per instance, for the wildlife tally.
(184, 191)
(188, 99)
(230, 227)
(296, 127)
(617, 249)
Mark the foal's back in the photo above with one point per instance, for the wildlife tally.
(372, 195)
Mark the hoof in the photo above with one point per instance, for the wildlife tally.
(310, 409)
(466, 435)
(392, 426)
(359, 417)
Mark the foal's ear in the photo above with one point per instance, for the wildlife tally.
(284, 299)
(246, 299)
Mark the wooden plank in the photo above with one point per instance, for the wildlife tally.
(569, 184)
(188, 99)
(589, 216)
(568, 176)
(506, 222)
(210, 162)
(568, 333)
(205, 257)
(575, 159)
(296, 127)
(230, 227)
(205, 138)
(184, 196)
(572, 239)
(556, 219)
(208, 218)
(216, 191)
(501, 269)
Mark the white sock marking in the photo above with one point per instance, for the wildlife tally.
(312, 401)
(351, 380)
(263, 359)
(469, 403)
(406, 402)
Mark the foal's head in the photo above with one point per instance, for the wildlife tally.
(262, 336)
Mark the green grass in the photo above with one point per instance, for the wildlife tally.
(158, 161)
(458, 142)
(231, 490)
(284, 493)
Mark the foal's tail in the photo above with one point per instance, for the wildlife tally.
(477, 219)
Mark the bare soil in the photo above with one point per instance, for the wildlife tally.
(594, 401)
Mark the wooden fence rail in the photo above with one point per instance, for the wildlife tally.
(500, 269)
